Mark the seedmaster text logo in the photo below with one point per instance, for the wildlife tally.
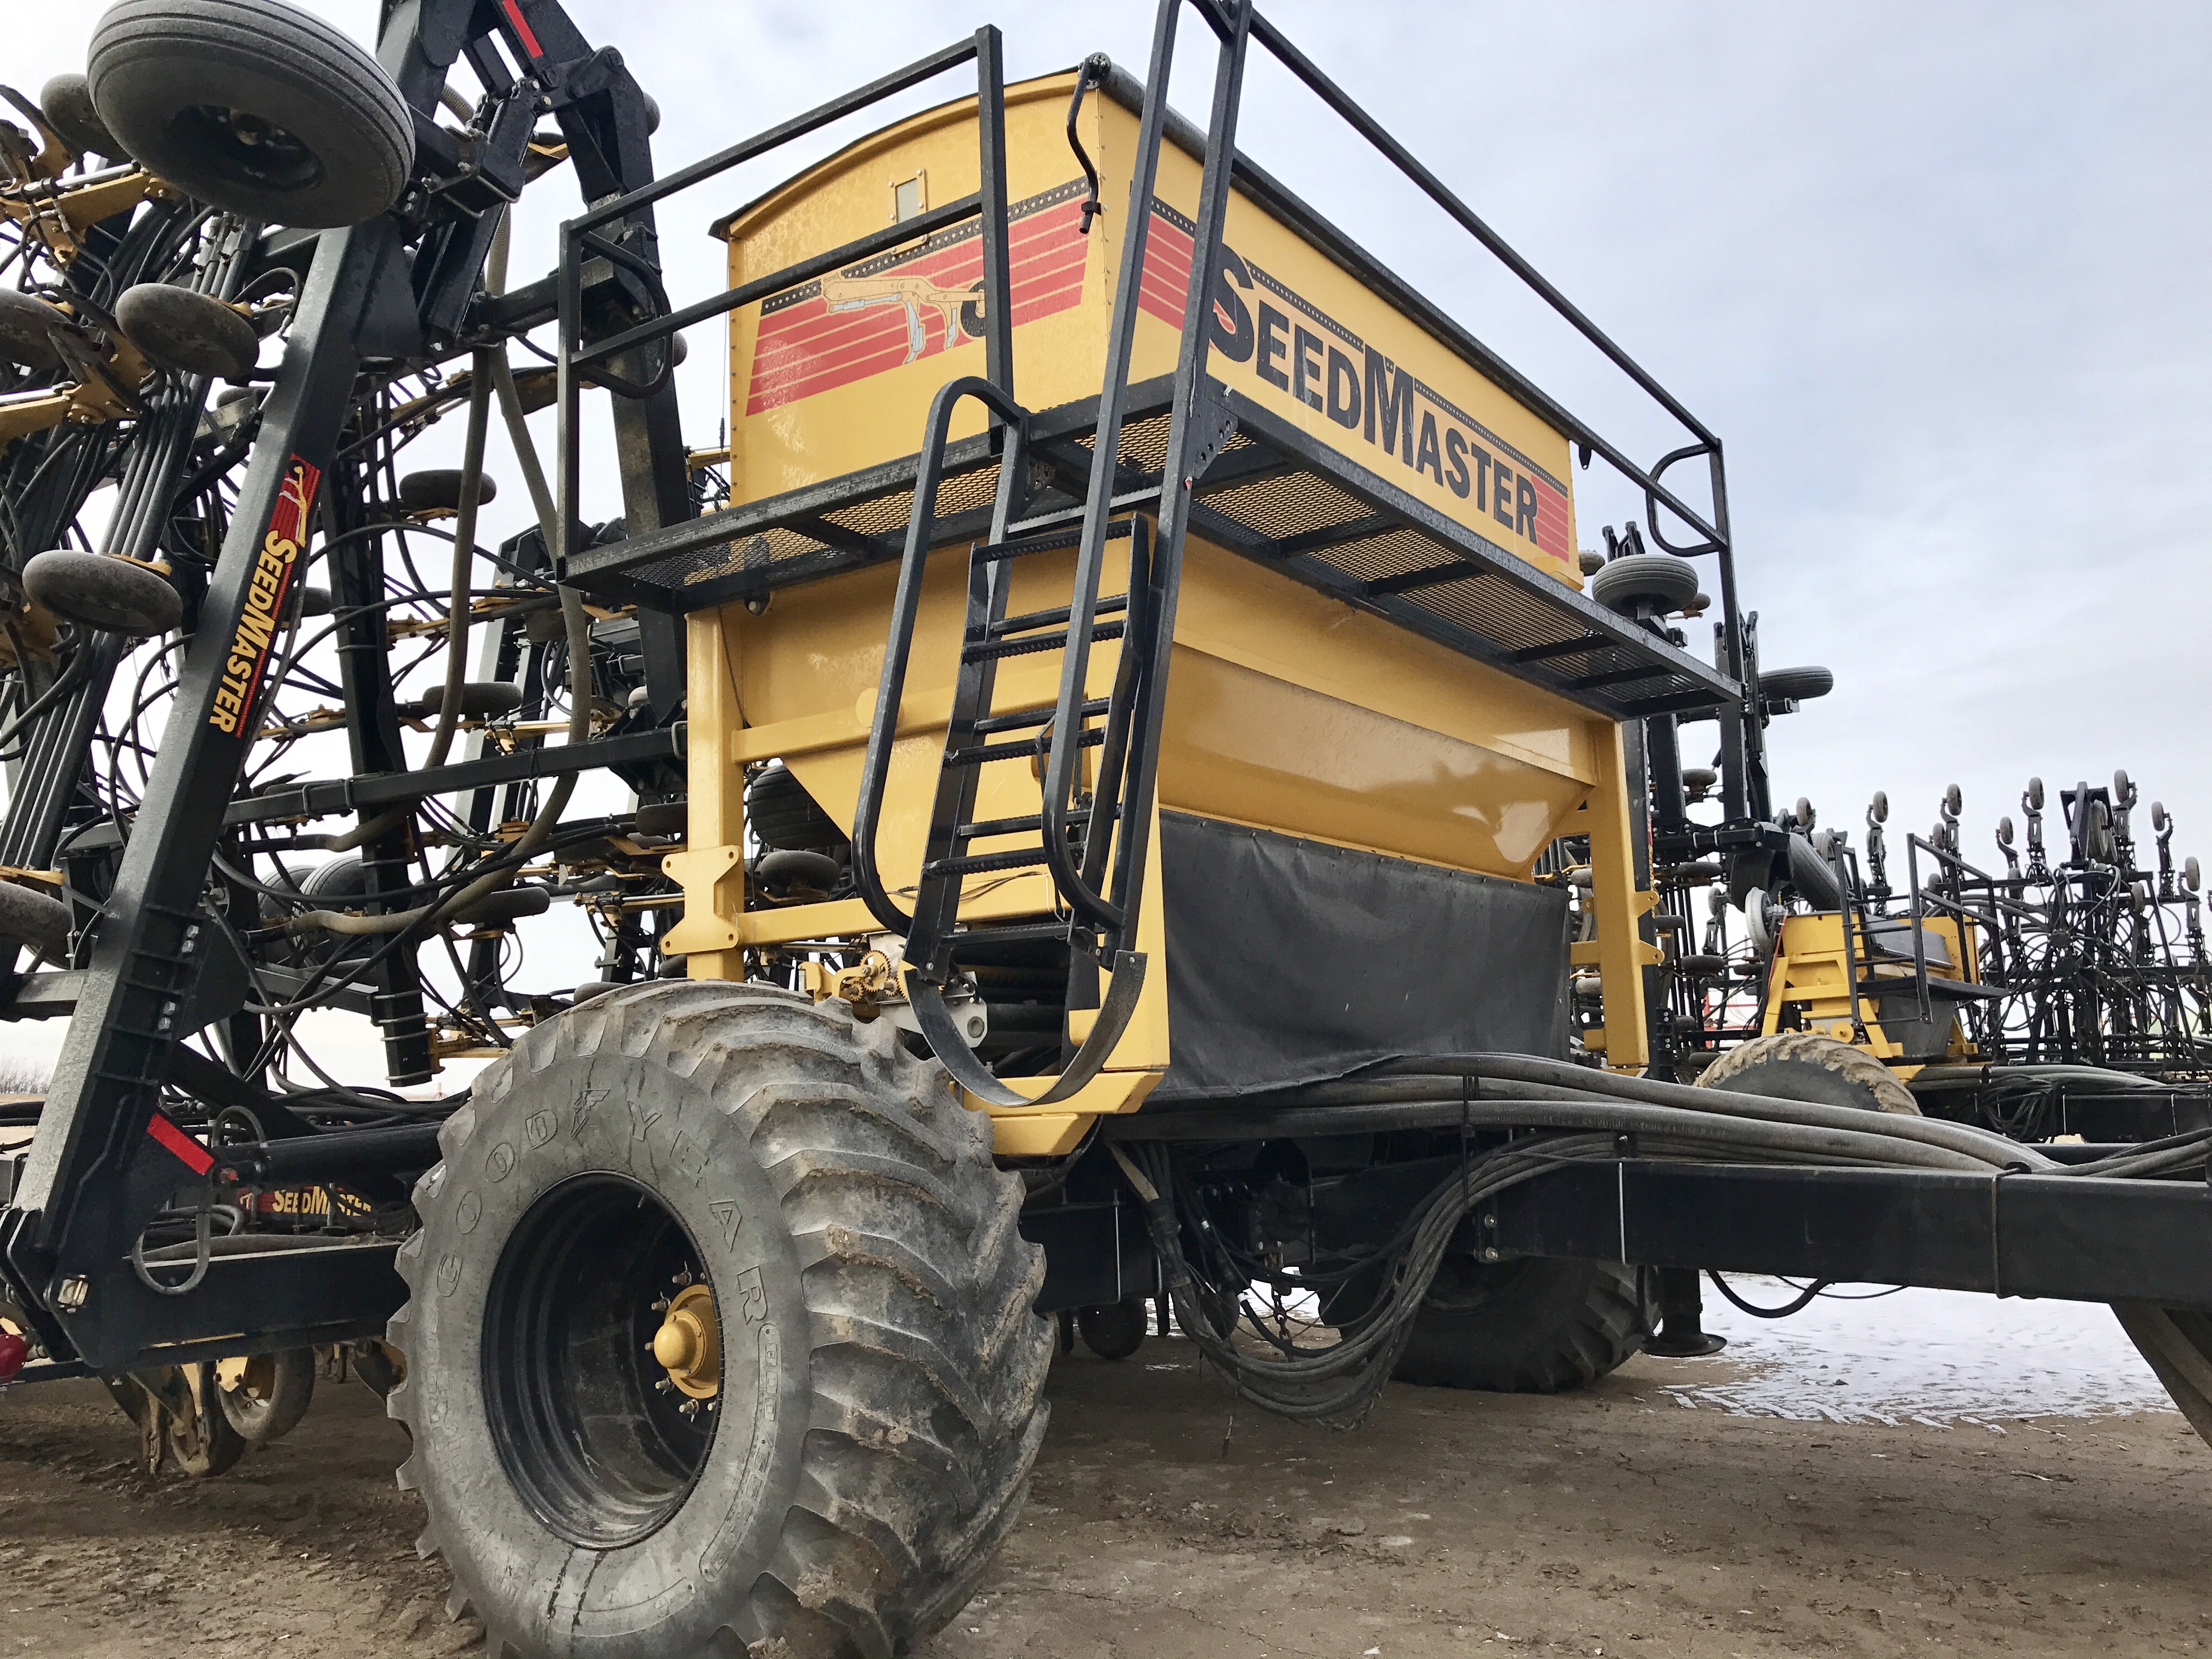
(264, 597)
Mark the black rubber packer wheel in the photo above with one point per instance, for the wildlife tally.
(1659, 582)
(1115, 1330)
(27, 327)
(102, 590)
(35, 919)
(192, 334)
(1800, 684)
(1808, 1067)
(1534, 1325)
(267, 1401)
(253, 106)
(831, 1463)
(66, 102)
(438, 489)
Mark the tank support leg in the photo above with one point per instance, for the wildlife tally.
(1681, 1334)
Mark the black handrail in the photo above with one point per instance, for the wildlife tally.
(906, 604)
(582, 235)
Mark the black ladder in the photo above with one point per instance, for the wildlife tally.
(1072, 836)
(1093, 843)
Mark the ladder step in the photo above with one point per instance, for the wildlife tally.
(1055, 641)
(974, 941)
(984, 753)
(1024, 720)
(1112, 605)
(1148, 496)
(1029, 825)
(1041, 541)
(976, 864)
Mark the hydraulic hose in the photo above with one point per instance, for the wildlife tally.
(492, 372)
(1579, 1115)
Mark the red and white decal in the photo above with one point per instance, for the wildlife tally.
(900, 308)
(265, 588)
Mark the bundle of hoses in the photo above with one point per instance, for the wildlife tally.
(1571, 1114)
(491, 375)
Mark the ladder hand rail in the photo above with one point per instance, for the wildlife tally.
(952, 1051)
(891, 689)
(1077, 879)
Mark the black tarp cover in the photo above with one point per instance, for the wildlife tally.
(1290, 961)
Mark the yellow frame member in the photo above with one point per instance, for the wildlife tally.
(1811, 971)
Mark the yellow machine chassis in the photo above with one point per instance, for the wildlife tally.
(1287, 709)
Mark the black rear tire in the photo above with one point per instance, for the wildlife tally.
(878, 1372)
(1535, 1325)
(253, 106)
(1809, 1066)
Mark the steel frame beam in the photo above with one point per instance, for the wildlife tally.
(94, 1176)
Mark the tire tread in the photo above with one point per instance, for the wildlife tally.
(915, 1332)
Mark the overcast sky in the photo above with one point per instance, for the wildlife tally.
(1936, 274)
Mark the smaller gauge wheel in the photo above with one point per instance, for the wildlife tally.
(264, 1395)
(1114, 1330)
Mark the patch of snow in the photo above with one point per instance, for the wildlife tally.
(1935, 1357)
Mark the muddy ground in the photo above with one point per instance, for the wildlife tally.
(1160, 1525)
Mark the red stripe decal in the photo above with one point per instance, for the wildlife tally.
(195, 1156)
(522, 29)
(803, 347)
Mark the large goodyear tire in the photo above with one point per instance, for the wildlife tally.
(876, 1399)
(253, 106)
(1805, 1066)
(1537, 1325)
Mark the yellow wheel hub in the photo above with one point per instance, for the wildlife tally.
(689, 1344)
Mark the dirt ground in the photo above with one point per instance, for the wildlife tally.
(1161, 1524)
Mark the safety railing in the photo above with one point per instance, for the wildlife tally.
(609, 360)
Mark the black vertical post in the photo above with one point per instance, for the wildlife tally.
(1658, 1012)
(1662, 744)
(998, 257)
(372, 735)
(1192, 410)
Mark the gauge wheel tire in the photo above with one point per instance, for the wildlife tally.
(1654, 579)
(1115, 1330)
(1799, 685)
(1536, 1325)
(199, 1440)
(264, 1398)
(1808, 1067)
(332, 142)
(876, 1401)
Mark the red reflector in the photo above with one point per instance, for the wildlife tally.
(522, 29)
(195, 1156)
(14, 1350)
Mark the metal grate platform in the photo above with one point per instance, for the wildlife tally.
(1271, 493)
